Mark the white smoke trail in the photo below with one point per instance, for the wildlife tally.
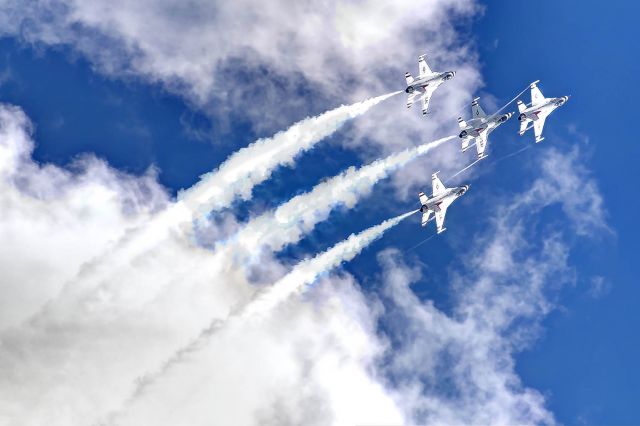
(248, 167)
(303, 274)
(299, 215)
(236, 177)
(307, 271)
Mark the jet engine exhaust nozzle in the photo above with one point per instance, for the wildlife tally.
(521, 117)
(409, 89)
(505, 117)
(463, 134)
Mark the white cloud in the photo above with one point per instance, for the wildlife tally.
(260, 308)
(317, 357)
(183, 45)
(599, 287)
(266, 65)
(458, 365)
(53, 220)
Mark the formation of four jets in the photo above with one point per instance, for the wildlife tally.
(475, 131)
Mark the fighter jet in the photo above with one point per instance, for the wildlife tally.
(426, 83)
(439, 201)
(479, 127)
(538, 111)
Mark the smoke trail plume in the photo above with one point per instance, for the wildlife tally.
(235, 177)
(299, 215)
(302, 275)
(252, 165)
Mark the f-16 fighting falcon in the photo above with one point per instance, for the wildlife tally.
(479, 127)
(439, 201)
(426, 83)
(538, 111)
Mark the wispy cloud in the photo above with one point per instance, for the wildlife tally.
(458, 364)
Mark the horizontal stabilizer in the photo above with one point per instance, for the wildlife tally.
(425, 218)
(524, 128)
(423, 198)
(465, 144)
(408, 77)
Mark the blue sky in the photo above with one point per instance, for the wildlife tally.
(586, 358)
(583, 354)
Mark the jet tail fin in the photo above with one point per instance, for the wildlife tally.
(462, 123)
(408, 77)
(521, 106)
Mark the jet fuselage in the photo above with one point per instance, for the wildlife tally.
(434, 202)
(477, 125)
(433, 79)
(533, 112)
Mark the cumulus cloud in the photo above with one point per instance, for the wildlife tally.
(320, 357)
(245, 61)
(183, 45)
(53, 219)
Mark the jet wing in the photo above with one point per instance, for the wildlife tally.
(425, 217)
(481, 143)
(425, 102)
(537, 98)
(537, 128)
(440, 214)
(524, 127)
(411, 98)
(438, 187)
(428, 91)
(423, 67)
